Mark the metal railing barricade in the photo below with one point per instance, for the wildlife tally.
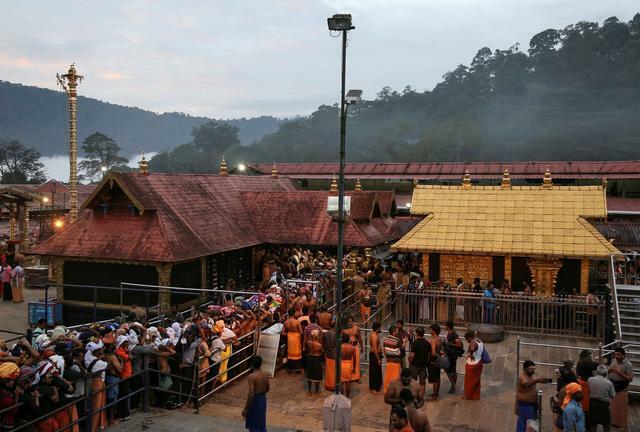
(565, 316)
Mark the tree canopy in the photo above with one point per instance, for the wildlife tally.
(573, 95)
(19, 164)
(100, 151)
(203, 153)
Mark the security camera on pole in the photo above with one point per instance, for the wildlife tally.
(337, 408)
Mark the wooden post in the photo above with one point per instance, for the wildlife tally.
(57, 267)
(164, 280)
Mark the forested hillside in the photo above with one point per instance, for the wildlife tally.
(574, 94)
(38, 117)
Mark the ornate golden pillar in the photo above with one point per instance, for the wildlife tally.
(164, 294)
(12, 222)
(584, 276)
(544, 273)
(425, 264)
(507, 269)
(69, 83)
(25, 228)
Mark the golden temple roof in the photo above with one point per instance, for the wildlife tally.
(521, 220)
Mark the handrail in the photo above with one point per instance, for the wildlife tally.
(614, 297)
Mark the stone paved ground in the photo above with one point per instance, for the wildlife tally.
(289, 406)
(14, 315)
(173, 421)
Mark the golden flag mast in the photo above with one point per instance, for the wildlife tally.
(69, 83)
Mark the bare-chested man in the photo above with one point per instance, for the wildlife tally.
(255, 411)
(293, 331)
(325, 318)
(365, 295)
(392, 395)
(348, 364)
(375, 359)
(355, 339)
(418, 419)
(314, 360)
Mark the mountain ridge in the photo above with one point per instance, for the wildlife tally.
(38, 117)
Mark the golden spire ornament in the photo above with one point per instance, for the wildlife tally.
(274, 171)
(69, 83)
(466, 179)
(334, 184)
(358, 186)
(223, 168)
(506, 179)
(547, 183)
(143, 166)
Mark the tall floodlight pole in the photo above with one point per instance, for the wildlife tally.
(341, 23)
(69, 83)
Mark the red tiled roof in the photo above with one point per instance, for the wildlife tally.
(454, 170)
(300, 217)
(402, 225)
(623, 234)
(618, 204)
(386, 200)
(190, 216)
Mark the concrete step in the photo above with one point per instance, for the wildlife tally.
(629, 288)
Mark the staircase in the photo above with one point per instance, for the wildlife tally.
(626, 315)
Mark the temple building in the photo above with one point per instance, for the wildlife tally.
(197, 231)
(539, 234)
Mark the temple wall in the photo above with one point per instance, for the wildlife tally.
(467, 267)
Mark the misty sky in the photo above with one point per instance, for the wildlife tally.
(228, 59)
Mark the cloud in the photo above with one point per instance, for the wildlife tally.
(233, 59)
(114, 76)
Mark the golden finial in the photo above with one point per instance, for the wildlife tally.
(334, 184)
(506, 179)
(223, 168)
(143, 166)
(274, 171)
(547, 183)
(466, 179)
(358, 186)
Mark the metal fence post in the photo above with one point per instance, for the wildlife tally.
(46, 306)
(196, 371)
(515, 384)
(88, 406)
(145, 383)
(539, 409)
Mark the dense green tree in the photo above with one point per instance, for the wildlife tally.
(203, 154)
(19, 164)
(572, 95)
(99, 151)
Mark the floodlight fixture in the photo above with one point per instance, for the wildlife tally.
(340, 22)
(352, 97)
(242, 167)
(104, 169)
(58, 223)
(45, 199)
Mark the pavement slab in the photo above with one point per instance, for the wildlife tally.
(289, 406)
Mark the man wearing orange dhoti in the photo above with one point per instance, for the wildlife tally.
(293, 331)
(393, 353)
